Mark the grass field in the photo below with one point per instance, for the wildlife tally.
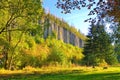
(78, 73)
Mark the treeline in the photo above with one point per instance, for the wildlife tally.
(22, 43)
(100, 49)
(50, 52)
(21, 37)
(37, 52)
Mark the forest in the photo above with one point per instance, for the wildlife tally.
(22, 42)
(22, 38)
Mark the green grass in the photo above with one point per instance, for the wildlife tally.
(112, 73)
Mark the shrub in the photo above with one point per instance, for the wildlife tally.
(111, 59)
(28, 60)
(56, 56)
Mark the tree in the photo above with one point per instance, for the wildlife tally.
(56, 56)
(17, 17)
(116, 39)
(98, 46)
(103, 7)
(115, 11)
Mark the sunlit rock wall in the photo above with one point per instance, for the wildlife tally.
(63, 34)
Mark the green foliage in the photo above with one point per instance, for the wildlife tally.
(39, 40)
(56, 56)
(3, 43)
(116, 40)
(30, 42)
(21, 37)
(112, 59)
(28, 60)
(98, 47)
(16, 18)
(49, 52)
(73, 54)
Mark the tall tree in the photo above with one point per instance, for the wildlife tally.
(98, 46)
(109, 7)
(17, 17)
(116, 39)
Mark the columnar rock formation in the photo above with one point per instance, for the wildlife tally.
(63, 34)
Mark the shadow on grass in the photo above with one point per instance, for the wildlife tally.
(62, 75)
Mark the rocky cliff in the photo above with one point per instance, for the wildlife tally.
(64, 32)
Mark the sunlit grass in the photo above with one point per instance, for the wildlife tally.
(57, 73)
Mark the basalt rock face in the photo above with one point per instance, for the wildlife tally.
(62, 33)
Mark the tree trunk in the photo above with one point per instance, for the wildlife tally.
(6, 60)
(6, 48)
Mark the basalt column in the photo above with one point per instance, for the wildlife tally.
(81, 43)
(65, 35)
(72, 38)
(60, 33)
(56, 30)
(46, 32)
(76, 41)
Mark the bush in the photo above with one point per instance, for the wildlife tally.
(56, 56)
(29, 60)
(111, 59)
(50, 52)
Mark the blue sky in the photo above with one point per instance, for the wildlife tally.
(75, 18)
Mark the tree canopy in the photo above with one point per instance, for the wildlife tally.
(98, 46)
(14, 12)
(102, 7)
(16, 18)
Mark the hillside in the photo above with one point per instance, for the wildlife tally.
(62, 31)
(52, 42)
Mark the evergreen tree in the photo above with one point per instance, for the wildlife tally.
(116, 39)
(98, 48)
(116, 36)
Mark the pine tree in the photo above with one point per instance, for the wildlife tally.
(116, 39)
(98, 48)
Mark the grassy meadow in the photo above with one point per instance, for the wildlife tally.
(53, 73)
